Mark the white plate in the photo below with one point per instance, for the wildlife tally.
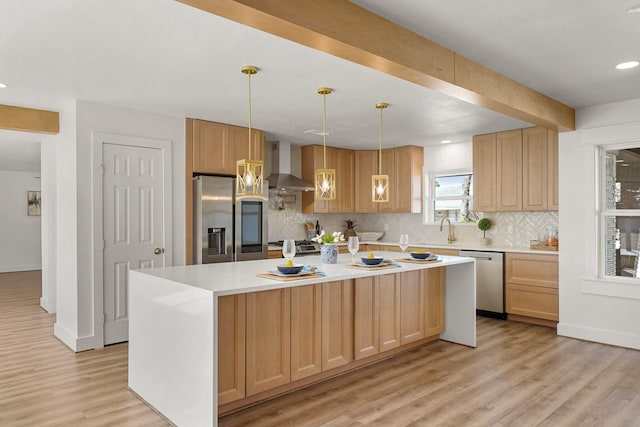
(301, 273)
(362, 264)
(431, 258)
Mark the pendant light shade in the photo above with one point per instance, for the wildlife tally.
(380, 183)
(249, 173)
(325, 182)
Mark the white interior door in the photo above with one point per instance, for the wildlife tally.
(133, 206)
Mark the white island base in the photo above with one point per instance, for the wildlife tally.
(173, 324)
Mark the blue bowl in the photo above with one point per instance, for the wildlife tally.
(372, 261)
(290, 270)
(420, 255)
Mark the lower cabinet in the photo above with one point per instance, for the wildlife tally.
(306, 331)
(532, 287)
(337, 324)
(231, 348)
(268, 339)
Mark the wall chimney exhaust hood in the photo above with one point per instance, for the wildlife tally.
(281, 179)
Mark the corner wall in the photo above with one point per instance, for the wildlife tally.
(592, 308)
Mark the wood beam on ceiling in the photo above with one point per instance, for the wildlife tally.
(351, 32)
(29, 120)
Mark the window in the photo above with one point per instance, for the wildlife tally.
(620, 212)
(450, 195)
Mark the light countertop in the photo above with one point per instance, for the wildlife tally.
(469, 246)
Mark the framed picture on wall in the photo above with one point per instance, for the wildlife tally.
(33, 203)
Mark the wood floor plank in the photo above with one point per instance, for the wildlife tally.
(519, 374)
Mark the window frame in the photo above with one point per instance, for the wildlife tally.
(430, 193)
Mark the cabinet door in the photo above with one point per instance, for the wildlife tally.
(312, 159)
(211, 149)
(239, 138)
(509, 171)
(552, 170)
(532, 269)
(389, 302)
(366, 165)
(435, 291)
(346, 164)
(534, 169)
(306, 331)
(231, 348)
(366, 317)
(532, 301)
(411, 307)
(337, 323)
(268, 340)
(484, 173)
(408, 179)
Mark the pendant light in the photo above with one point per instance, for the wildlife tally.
(249, 175)
(380, 183)
(325, 178)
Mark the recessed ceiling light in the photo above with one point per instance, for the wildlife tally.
(445, 141)
(316, 132)
(2, 85)
(627, 65)
(634, 9)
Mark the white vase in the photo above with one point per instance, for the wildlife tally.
(329, 253)
(485, 241)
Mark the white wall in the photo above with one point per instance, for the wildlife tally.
(75, 175)
(592, 308)
(20, 233)
(49, 227)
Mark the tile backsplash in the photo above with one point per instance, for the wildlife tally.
(509, 229)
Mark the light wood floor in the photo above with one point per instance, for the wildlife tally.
(519, 375)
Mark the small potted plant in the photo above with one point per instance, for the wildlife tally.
(329, 250)
(484, 224)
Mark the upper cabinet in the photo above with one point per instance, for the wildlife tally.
(216, 147)
(403, 165)
(516, 170)
(343, 162)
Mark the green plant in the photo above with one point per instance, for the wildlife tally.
(484, 224)
(334, 237)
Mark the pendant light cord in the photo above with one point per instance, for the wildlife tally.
(324, 131)
(249, 116)
(380, 149)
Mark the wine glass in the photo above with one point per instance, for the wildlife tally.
(404, 242)
(288, 249)
(354, 245)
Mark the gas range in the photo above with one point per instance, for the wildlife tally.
(303, 247)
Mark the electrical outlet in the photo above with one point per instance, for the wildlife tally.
(386, 227)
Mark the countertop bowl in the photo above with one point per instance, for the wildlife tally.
(290, 270)
(420, 255)
(372, 261)
(369, 236)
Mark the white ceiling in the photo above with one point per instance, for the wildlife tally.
(166, 57)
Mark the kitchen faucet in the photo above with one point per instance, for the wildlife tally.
(450, 238)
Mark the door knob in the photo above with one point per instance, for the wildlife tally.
(158, 251)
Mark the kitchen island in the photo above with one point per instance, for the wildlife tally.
(174, 331)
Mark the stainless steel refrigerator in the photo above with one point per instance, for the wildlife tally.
(227, 228)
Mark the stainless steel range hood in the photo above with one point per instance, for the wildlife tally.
(281, 179)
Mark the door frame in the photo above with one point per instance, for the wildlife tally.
(98, 140)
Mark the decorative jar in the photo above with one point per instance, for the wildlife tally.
(329, 253)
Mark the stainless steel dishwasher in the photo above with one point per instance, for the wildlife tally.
(489, 283)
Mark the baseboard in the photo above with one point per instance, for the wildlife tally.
(13, 268)
(68, 339)
(602, 336)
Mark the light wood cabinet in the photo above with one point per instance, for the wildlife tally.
(366, 165)
(434, 279)
(366, 338)
(509, 171)
(412, 299)
(268, 340)
(484, 172)
(403, 165)
(337, 324)
(343, 161)
(231, 348)
(539, 169)
(516, 170)
(532, 286)
(389, 309)
(306, 331)
(217, 146)
(274, 253)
